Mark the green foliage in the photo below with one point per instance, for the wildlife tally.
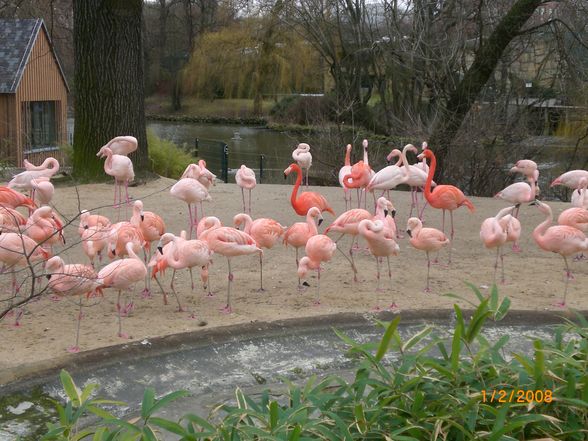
(426, 387)
(167, 158)
(304, 110)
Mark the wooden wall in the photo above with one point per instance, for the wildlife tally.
(41, 81)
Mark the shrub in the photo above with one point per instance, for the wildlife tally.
(167, 159)
(436, 388)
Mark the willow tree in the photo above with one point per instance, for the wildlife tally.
(109, 89)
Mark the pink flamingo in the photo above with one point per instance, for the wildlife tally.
(200, 173)
(299, 233)
(425, 239)
(303, 201)
(121, 234)
(303, 158)
(380, 245)
(22, 181)
(11, 220)
(513, 231)
(71, 280)
(159, 263)
(445, 197)
(575, 217)
(121, 168)
(347, 223)
(207, 223)
(266, 232)
(229, 242)
(182, 254)
(88, 220)
(520, 192)
(319, 249)
(13, 199)
(561, 239)
(122, 274)
(121, 145)
(245, 178)
(343, 171)
(360, 175)
(43, 189)
(94, 240)
(386, 212)
(43, 228)
(579, 198)
(524, 166)
(494, 234)
(570, 179)
(191, 192)
(415, 177)
(19, 250)
(389, 177)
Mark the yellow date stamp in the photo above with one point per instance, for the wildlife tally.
(517, 396)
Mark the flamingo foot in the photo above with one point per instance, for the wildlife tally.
(227, 310)
(54, 298)
(73, 349)
(355, 278)
(570, 276)
(316, 303)
(127, 310)
(427, 289)
(123, 335)
(261, 290)
(392, 306)
(380, 289)
(399, 236)
(516, 248)
(210, 294)
(192, 316)
(559, 304)
(180, 309)
(376, 308)
(146, 293)
(435, 261)
(301, 288)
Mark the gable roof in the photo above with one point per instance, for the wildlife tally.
(17, 38)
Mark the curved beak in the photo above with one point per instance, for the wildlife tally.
(48, 276)
(160, 249)
(393, 213)
(409, 233)
(320, 221)
(385, 212)
(142, 216)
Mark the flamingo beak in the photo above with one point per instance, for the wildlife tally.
(285, 175)
(409, 233)
(393, 213)
(86, 227)
(48, 276)
(320, 221)
(142, 217)
(305, 283)
(160, 249)
(421, 156)
(385, 212)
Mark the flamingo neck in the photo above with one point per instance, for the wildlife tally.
(173, 257)
(405, 162)
(432, 168)
(539, 231)
(348, 157)
(365, 156)
(294, 196)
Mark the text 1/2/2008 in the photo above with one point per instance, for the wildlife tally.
(517, 396)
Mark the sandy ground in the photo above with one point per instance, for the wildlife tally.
(534, 277)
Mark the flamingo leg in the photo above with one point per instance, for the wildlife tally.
(318, 287)
(568, 276)
(76, 348)
(393, 305)
(196, 219)
(243, 196)
(358, 198)
(192, 278)
(190, 222)
(250, 202)
(375, 204)
(452, 234)
(502, 265)
(227, 308)
(119, 309)
(171, 285)
(201, 210)
(146, 293)
(496, 263)
(353, 259)
(307, 177)
(378, 288)
(412, 202)
(428, 289)
(162, 290)
(260, 273)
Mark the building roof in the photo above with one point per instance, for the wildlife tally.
(17, 38)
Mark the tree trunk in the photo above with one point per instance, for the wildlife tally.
(475, 78)
(109, 95)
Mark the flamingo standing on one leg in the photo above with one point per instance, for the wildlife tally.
(445, 197)
(121, 145)
(343, 171)
(191, 192)
(303, 157)
(380, 245)
(494, 234)
(245, 178)
(121, 169)
(319, 248)
(299, 233)
(520, 192)
(303, 201)
(561, 239)
(122, 274)
(513, 231)
(266, 233)
(425, 239)
(229, 242)
(570, 179)
(23, 180)
(71, 280)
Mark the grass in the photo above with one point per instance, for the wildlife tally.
(167, 158)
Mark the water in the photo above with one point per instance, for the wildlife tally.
(211, 373)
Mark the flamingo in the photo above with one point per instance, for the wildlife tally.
(445, 197)
(303, 158)
(513, 231)
(43, 189)
(94, 240)
(11, 220)
(88, 220)
(182, 254)
(266, 233)
(121, 169)
(319, 249)
(425, 239)
(121, 145)
(570, 179)
(386, 212)
(71, 280)
(360, 175)
(22, 181)
(200, 173)
(389, 177)
(245, 178)
(229, 242)
(415, 178)
(579, 198)
(303, 201)
(343, 171)
(207, 223)
(494, 234)
(380, 245)
(43, 228)
(121, 234)
(191, 192)
(299, 233)
(520, 192)
(13, 199)
(347, 223)
(561, 239)
(122, 274)
(575, 217)
(524, 166)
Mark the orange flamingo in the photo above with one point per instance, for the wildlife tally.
(303, 201)
(229, 242)
(299, 233)
(245, 178)
(122, 274)
(266, 233)
(561, 239)
(44, 228)
(319, 248)
(445, 197)
(380, 245)
(361, 174)
(11, 220)
(71, 280)
(494, 234)
(425, 239)
(88, 220)
(12, 199)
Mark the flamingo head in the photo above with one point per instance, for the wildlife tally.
(54, 265)
(348, 148)
(290, 169)
(364, 144)
(304, 147)
(424, 145)
(412, 224)
(395, 153)
(555, 182)
(411, 148)
(426, 154)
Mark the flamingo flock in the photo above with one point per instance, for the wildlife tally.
(28, 240)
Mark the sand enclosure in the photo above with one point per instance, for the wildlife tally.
(534, 277)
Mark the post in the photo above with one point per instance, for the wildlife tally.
(195, 147)
(261, 158)
(225, 163)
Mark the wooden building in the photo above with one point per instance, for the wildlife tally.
(33, 94)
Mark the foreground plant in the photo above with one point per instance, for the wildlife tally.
(425, 387)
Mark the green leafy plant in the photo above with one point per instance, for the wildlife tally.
(428, 386)
(167, 159)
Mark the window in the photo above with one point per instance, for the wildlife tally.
(39, 124)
